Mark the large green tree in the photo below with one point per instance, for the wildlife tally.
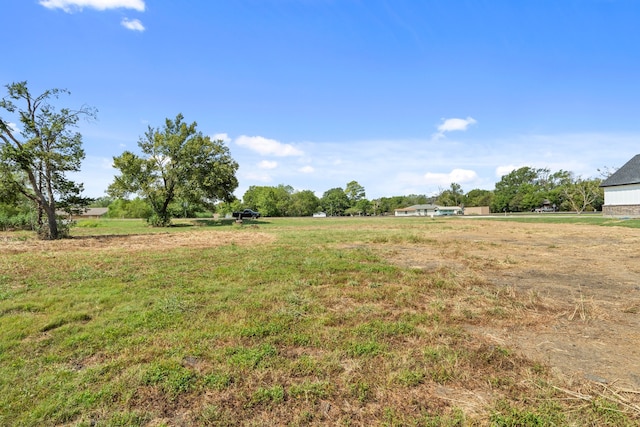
(39, 151)
(355, 192)
(335, 201)
(177, 163)
(478, 197)
(304, 203)
(268, 200)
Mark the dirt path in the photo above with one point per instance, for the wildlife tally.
(586, 280)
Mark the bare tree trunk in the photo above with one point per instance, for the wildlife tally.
(52, 222)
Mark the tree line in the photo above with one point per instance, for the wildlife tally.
(181, 172)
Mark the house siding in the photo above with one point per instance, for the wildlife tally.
(428, 210)
(622, 195)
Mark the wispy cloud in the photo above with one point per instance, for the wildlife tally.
(267, 164)
(132, 24)
(306, 169)
(459, 176)
(267, 146)
(70, 6)
(451, 125)
(221, 137)
(14, 127)
(259, 177)
(505, 170)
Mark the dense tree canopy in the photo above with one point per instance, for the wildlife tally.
(478, 197)
(304, 203)
(335, 201)
(38, 153)
(178, 163)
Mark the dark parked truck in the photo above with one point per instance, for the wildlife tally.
(247, 213)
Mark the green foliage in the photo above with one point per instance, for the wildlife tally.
(101, 202)
(583, 194)
(35, 161)
(304, 203)
(335, 201)
(355, 192)
(14, 218)
(453, 196)
(525, 189)
(386, 205)
(178, 163)
(269, 201)
(135, 208)
(478, 197)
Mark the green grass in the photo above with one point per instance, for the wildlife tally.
(311, 327)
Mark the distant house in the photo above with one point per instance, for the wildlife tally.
(622, 191)
(428, 210)
(87, 213)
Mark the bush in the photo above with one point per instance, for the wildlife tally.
(20, 221)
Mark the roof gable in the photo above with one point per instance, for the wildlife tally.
(629, 173)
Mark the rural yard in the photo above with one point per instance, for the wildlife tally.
(582, 283)
(351, 321)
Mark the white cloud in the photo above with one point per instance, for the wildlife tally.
(505, 170)
(132, 24)
(267, 146)
(14, 127)
(267, 164)
(72, 5)
(221, 137)
(306, 169)
(261, 177)
(450, 125)
(459, 176)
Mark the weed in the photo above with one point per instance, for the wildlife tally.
(250, 358)
(506, 415)
(310, 391)
(218, 380)
(365, 349)
(410, 378)
(361, 391)
(267, 396)
(172, 378)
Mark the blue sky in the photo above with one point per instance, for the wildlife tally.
(402, 96)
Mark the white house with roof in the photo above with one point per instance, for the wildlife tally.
(428, 210)
(622, 191)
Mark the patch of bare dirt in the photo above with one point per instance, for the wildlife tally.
(585, 281)
(199, 239)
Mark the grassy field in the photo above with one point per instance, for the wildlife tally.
(276, 322)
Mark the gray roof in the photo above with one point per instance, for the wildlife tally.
(629, 173)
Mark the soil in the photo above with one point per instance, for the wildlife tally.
(136, 242)
(583, 281)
